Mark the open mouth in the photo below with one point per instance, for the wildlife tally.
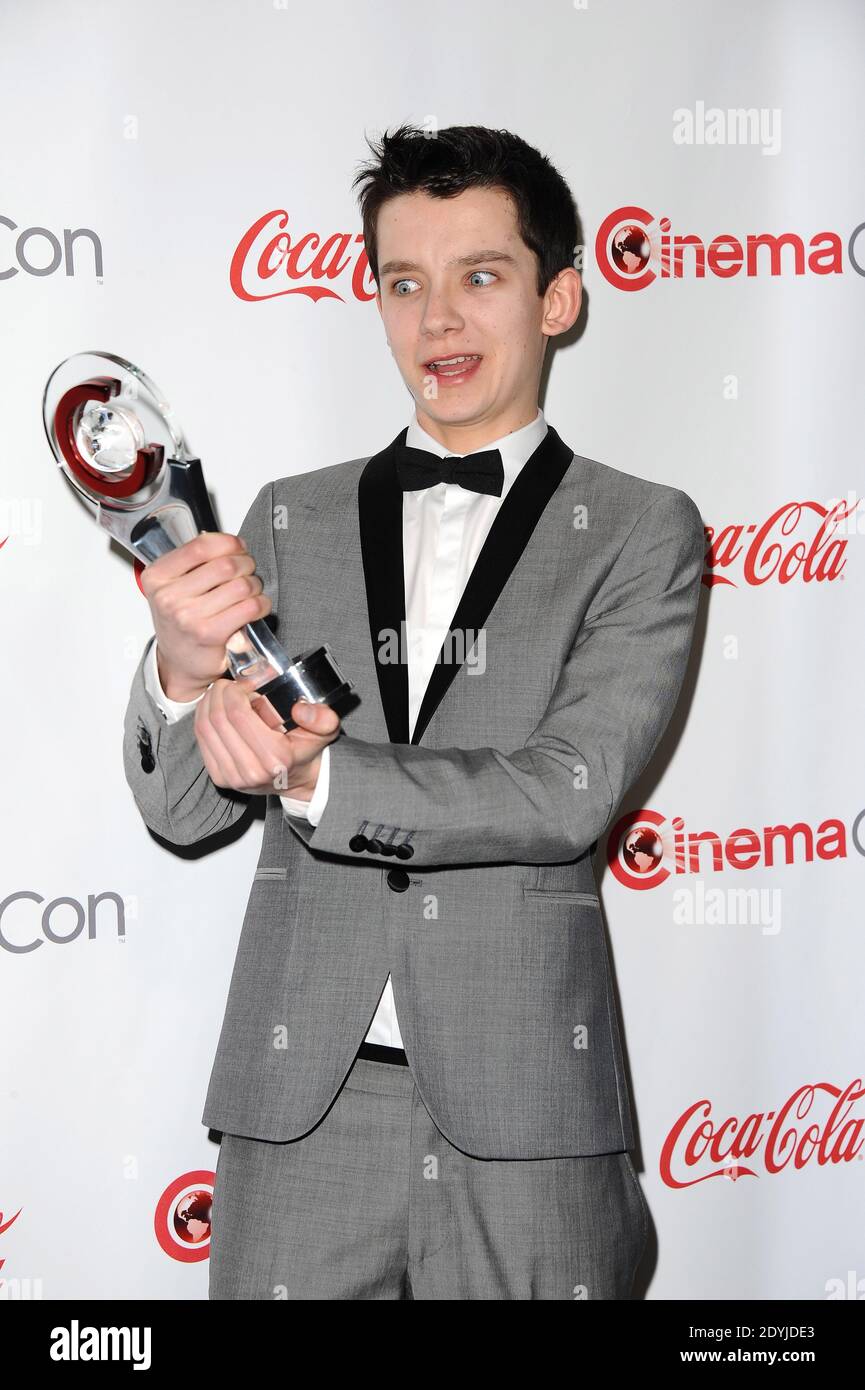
(456, 368)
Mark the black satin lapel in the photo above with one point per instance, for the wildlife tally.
(508, 537)
(379, 503)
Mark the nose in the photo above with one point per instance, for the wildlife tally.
(440, 313)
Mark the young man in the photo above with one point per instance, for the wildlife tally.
(419, 1078)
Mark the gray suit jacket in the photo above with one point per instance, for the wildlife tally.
(476, 888)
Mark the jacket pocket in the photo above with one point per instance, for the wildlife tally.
(277, 872)
(560, 895)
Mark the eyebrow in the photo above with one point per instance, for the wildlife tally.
(398, 267)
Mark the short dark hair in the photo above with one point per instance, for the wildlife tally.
(445, 162)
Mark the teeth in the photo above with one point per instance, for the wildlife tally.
(454, 361)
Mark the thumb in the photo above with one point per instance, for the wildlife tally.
(319, 718)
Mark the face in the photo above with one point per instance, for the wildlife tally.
(457, 280)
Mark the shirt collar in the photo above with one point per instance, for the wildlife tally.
(516, 448)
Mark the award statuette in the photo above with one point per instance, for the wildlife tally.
(121, 448)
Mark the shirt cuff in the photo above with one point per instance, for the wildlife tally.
(172, 710)
(314, 808)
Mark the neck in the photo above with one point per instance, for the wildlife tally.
(463, 437)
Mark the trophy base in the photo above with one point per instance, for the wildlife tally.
(314, 676)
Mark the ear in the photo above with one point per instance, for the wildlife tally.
(562, 301)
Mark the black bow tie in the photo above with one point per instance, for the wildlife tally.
(481, 472)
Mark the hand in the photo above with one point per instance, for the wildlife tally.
(246, 748)
(199, 595)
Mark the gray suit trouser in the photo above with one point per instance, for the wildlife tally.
(374, 1202)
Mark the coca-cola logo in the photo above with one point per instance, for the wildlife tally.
(814, 1123)
(799, 540)
(270, 260)
(645, 847)
(633, 249)
(4, 1226)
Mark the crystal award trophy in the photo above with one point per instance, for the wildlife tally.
(119, 444)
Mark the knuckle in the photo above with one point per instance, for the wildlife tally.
(161, 602)
(182, 619)
(198, 550)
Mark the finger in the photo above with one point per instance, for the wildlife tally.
(207, 578)
(317, 719)
(194, 554)
(218, 631)
(228, 591)
(258, 752)
(221, 767)
(323, 723)
(261, 706)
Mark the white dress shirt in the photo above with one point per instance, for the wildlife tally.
(443, 529)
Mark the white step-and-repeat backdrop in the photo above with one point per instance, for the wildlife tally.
(715, 153)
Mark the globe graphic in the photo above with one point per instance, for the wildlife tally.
(192, 1217)
(642, 851)
(630, 250)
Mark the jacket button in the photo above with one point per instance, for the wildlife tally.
(357, 844)
(397, 880)
(404, 851)
(374, 846)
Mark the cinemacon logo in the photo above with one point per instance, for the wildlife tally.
(181, 1221)
(644, 848)
(633, 249)
(39, 251)
(28, 922)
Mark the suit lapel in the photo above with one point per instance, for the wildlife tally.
(380, 515)
(379, 503)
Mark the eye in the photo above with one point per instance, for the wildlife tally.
(484, 272)
(396, 284)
